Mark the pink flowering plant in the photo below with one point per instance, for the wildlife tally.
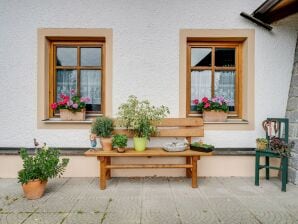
(73, 102)
(218, 103)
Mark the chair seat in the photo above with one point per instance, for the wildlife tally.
(268, 152)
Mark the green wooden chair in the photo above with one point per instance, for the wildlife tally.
(283, 133)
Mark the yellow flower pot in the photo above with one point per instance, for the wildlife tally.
(140, 144)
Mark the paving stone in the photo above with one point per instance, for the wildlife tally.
(86, 218)
(213, 187)
(91, 204)
(60, 202)
(125, 204)
(45, 218)
(156, 205)
(205, 216)
(162, 216)
(122, 217)
(278, 217)
(13, 218)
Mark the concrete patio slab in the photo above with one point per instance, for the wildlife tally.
(151, 200)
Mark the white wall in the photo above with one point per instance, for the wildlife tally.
(211, 166)
(145, 59)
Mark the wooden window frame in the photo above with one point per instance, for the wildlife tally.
(78, 43)
(238, 71)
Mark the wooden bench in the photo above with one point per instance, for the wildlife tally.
(170, 127)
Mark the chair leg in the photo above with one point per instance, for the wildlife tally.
(257, 169)
(284, 174)
(287, 169)
(267, 168)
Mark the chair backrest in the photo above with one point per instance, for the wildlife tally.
(282, 128)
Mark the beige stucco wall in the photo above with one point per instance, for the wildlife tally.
(81, 166)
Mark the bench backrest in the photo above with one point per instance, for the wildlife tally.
(176, 127)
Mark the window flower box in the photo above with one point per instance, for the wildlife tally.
(214, 116)
(68, 115)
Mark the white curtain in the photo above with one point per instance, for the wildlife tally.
(91, 85)
(200, 84)
(224, 85)
(66, 81)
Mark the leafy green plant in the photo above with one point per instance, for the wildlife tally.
(43, 165)
(202, 145)
(103, 127)
(140, 117)
(119, 141)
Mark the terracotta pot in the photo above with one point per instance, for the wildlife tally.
(67, 115)
(121, 150)
(34, 189)
(214, 116)
(106, 144)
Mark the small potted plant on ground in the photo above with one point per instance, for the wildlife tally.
(214, 110)
(140, 117)
(71, 107)
(120, 142)
(38, 168)
(262, 143)
(103, 127)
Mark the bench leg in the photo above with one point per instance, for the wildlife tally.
(108, 170)
(102, 179)
(194, 174)
(188, 170)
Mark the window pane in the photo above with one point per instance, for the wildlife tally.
(91, 56)
(224, 85)
(201, 56)
(66, 56)
(91, 87)
(66, 81)
(225, 57)
(200, 86)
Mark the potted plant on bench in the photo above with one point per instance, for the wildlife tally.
(103, 127)
(120, 142)
(38, 168)
(140, 117)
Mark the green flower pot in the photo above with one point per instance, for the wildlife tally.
(140, 144)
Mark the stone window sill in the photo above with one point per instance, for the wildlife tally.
(230, 121)
(59, 121)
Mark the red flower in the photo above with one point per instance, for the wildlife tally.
(207, 105)
(205, 100)
(54, 106)
(195, 102)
